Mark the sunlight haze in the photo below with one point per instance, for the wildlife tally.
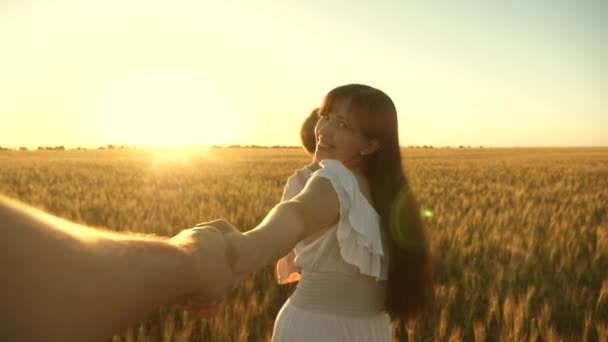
(92, 73)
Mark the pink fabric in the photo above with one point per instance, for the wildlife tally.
(287, 270)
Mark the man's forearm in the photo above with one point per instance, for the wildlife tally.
(135, 277)
(60, 281)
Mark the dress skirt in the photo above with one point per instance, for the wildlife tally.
(333, 307)
(295, 324)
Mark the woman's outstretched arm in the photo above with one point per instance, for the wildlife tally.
(60, 281)
(315, 209)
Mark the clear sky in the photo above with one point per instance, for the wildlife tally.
(90, 73)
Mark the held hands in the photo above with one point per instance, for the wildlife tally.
(212, 276)
(239, 250)
(217, 247)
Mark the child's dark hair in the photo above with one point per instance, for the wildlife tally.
(307, 132)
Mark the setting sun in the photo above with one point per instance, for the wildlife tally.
(93, 73)
(164, 108)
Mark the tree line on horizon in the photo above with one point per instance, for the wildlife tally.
(133, 147)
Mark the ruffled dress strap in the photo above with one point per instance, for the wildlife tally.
(358, 229)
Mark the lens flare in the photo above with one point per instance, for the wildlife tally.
(428, 213)
(400, 221)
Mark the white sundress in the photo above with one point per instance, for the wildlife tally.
(342, 286)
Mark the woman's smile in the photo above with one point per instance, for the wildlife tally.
(324, 145)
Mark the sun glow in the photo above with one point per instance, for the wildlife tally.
(183, 155)
(165, 108)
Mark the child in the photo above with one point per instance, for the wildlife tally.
(287, 270)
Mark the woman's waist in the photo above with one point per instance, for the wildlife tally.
(339, 293)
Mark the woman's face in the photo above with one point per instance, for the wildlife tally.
(338, 138)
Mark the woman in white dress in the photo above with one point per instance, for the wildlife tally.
(356, 227)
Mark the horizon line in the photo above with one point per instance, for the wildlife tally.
(228, 146)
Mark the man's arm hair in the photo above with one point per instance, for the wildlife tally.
(61, 281)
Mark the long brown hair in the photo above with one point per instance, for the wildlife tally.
(409, 288)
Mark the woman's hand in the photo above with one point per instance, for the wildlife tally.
(212, 275)
(226, 245)
(240, 251)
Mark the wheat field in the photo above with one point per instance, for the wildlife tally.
(519, 236)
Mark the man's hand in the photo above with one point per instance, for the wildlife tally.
(238, 247)
(212, 276)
